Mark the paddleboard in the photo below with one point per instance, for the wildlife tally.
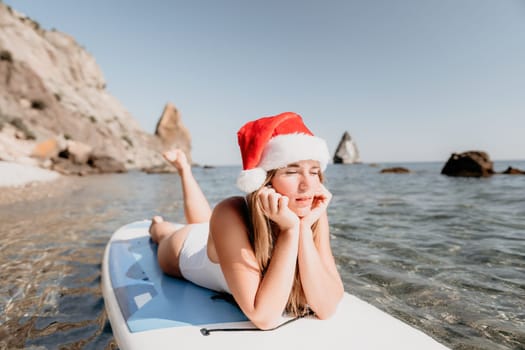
(148, 309)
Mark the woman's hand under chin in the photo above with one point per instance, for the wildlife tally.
(275, 207)
(320, 202)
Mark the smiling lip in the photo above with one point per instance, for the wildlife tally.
(303, 201)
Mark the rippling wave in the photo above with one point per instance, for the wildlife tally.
(446, 255)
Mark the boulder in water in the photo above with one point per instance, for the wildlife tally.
(395, 170)
(513, 171)
(469, 164)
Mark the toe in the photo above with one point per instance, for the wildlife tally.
(157, 219)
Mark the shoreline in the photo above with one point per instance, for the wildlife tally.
(18, 175)
(21, 182)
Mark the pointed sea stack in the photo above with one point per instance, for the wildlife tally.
(346, 152)
(172, 132)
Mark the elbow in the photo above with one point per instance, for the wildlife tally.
(326, 313)
(329, 309)
(266, 323)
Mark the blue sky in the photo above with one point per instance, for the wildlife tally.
(410, 80)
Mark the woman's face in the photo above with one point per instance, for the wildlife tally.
(298, 181)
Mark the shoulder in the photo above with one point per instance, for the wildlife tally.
(234, 201)
(231, 205)
(228, 225)
(230, 211)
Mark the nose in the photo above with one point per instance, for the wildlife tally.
(305, 182)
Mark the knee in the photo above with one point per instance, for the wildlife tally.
(159, 231)
(168, 258)
(169, 268)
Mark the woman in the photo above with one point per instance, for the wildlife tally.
(270, 249)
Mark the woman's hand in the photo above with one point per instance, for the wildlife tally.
(177, 158)
(321, 200)
(275, 207)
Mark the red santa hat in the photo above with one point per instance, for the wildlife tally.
(274, 142)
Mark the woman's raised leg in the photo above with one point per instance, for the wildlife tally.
(196, 206)
(169, 236)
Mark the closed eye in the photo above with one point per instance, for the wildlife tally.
(315, 171)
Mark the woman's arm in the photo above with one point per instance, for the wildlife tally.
(262, 299)
(320, 279)
(321, 282)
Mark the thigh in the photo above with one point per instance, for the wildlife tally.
(169, 251)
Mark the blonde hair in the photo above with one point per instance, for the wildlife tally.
(264, 235)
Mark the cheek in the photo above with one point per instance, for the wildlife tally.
(284, 187)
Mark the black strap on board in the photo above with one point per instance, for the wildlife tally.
(208, 331)
(229, 298)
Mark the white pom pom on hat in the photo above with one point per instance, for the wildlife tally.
(250, 180)
(274, 142)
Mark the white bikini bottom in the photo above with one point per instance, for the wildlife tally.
(194, 264)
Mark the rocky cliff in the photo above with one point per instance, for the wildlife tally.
(51, 87)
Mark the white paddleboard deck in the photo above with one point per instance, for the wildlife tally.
(150, 310)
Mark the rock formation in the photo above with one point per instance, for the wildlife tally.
(346, 152)
(513, 171)
(74, 158)
(171, 131)
(395, 170)
(51, 87)
(469, 164)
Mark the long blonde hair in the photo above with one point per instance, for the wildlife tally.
(264, 235)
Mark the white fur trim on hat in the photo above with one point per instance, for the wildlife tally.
(280, 151)
(289, 148)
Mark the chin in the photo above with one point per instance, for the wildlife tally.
(302, 212)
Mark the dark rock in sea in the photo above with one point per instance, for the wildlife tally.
(395, 170)
(469, 164)
(513, 171)
(167, 168)
(346, 152)
(160, 169)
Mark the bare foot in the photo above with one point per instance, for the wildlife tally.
(178, 159)
(160, 229)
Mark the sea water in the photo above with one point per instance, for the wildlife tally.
(444, 254)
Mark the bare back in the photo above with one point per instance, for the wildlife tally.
(236, 204)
